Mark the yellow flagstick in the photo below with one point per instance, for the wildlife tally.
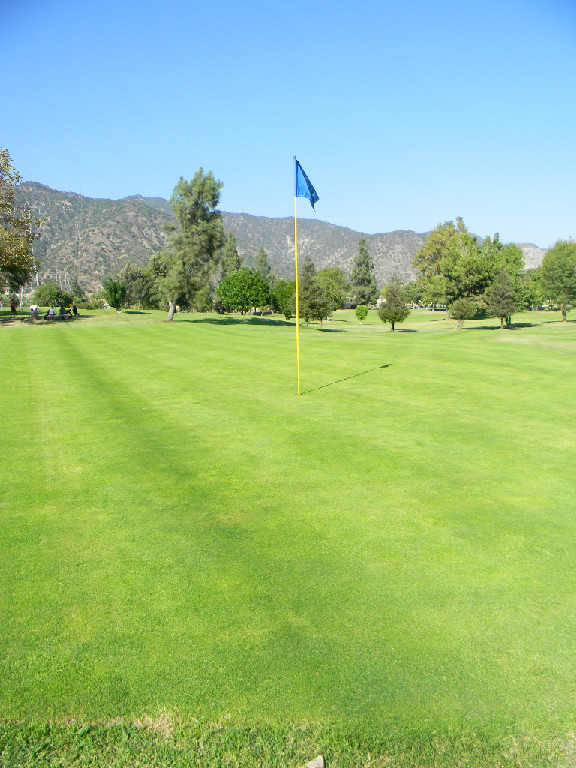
(297, 305)
(302, 188)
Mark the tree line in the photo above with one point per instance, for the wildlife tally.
(476, 278)
(201, 268)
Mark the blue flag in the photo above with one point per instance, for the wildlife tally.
(304, 186)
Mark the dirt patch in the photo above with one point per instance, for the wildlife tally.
(162, 724)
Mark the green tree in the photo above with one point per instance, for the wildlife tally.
(314, 303)
(76, 290)
(17, 228)
(361, 312)
(501, 297)
(508, 257)
(362, 281)
(197, 238)
(264, 268)
(115, 292)
(50, 295)
(428, 259)
(284, 298)
(242, 290)
(170, 283)
(434, 260)
(174, 284)
(413, 292)
(202, 298)
(394, 310)
(334, 286)
(140, 286)
(530, 293)
(465, 308)
(504, 258)
(559, 275)
(231, 261)
(157, 269)
(433, 289)
(452, 264)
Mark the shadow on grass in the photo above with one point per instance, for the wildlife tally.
(512, 327)
(27, 320)
(227, 320)
(345, 378)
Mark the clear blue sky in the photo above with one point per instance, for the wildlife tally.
(403, 114)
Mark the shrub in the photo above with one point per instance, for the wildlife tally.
(49, 295)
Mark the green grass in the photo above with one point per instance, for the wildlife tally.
(391, 553)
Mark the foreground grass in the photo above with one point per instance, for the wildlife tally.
(227, 744)
(391, 553)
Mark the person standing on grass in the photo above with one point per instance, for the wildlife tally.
(13, 308)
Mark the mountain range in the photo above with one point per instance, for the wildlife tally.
(91, 238)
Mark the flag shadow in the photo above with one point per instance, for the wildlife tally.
(345, 378)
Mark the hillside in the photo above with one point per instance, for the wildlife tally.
(327, 244)
(91, 238)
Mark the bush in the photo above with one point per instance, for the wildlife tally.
(91, 302)
(115, 292)
(49, 295)
(467, 309)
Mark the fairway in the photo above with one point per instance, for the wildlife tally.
(181, 533)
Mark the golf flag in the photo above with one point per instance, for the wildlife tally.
(304, 186)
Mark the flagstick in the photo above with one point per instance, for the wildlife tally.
(297, 304)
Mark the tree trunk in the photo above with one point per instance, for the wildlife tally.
(171, 309)
(392, 324)
(564, 315)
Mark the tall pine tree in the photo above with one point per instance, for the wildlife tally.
(314, 303)
(231, 261)
(264, 268)
(363, 281)
(501, 298)
(197, 237)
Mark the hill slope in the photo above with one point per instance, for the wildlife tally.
(91, 238)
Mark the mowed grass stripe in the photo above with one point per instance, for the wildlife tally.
(358, 552)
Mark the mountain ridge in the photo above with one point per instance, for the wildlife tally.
(91, 238)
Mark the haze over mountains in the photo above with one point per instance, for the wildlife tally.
(92, 238)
